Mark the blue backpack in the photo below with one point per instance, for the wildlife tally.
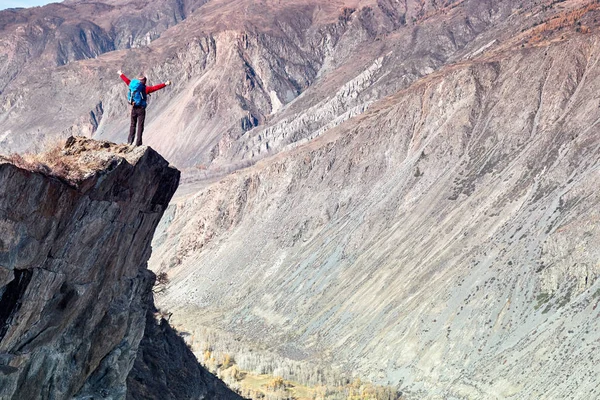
(137, 93)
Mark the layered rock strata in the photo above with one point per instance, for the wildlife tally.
(76, 227)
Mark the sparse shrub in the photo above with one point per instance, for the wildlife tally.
(542, 299)
(72, 161)
(228, 361)
(161, 314)
(276, 383)
(542, 29)
(162, 280)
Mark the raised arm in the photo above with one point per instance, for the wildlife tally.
(150, 89)
(122, 75)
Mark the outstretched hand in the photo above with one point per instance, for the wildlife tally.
(167, 83)
(120, 72)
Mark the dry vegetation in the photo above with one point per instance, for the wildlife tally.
(273, 387)
(443, 7)
(161, 283)
(256, 374)
(566, 19)
(72, 161)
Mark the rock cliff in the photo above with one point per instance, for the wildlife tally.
(76, 226)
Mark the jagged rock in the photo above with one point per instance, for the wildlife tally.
(74, 288)
(165, 368)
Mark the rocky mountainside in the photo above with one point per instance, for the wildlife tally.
(75, 293)
(239, 65)
(401, 189)
(60, 33)
(443, 240)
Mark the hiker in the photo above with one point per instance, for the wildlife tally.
(138, 97)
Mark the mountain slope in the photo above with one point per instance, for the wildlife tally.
(237, 71)
(443, 240)
(60, 33)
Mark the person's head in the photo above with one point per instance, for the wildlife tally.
(142, 78)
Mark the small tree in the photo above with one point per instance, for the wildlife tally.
(228, 361)
(162, 280)
(276, 383)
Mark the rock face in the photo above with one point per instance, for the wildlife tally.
(74, 289)
(165, 368)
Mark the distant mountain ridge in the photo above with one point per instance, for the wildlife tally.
(271, 54)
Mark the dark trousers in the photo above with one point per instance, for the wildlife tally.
(138, 115)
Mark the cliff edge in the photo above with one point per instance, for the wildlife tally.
(76, 225)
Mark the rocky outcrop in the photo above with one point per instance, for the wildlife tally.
(76, 226)
(165, 368)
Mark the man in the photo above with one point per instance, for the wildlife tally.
(137, 97)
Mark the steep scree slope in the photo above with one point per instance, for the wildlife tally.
(445, 240)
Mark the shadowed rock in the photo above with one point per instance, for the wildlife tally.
(165, 368)
(76, 226)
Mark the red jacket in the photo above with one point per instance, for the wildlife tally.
(149, 89)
